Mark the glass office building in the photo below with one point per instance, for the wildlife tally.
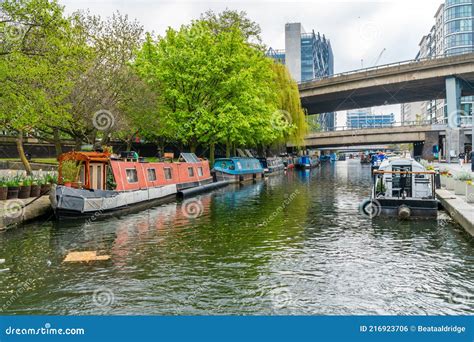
(363, 118)
(307, 56)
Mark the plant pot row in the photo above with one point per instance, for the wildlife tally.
(459, 187)
(26, 191)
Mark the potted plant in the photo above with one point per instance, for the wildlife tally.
(35, 188)
(69, 172)
(13, 188)
(450, 181)
(460, 182)
(443, 171)
(470, 191)
(25, 187)
(45, 185)
(3, 189)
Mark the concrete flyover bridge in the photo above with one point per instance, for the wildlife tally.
(424, 136)
(417, 80)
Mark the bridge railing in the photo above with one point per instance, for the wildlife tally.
(459, 122)
(378, 67)
(373, 126)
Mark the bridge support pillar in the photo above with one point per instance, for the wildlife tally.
(453, 106)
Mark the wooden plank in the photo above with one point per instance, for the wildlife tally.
(85, 256)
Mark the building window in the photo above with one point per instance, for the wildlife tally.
(168, 173)
(151, 175)
(458, 12)
(190, 172)
(200, 173)
(132, 176)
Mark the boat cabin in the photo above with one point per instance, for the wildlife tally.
(99, 171)
(402, 178)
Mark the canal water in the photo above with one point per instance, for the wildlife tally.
(291, 244)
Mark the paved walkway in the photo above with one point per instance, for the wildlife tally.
(456, 205)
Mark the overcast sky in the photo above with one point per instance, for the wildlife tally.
(358, 30)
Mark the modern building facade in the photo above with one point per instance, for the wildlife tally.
(307, 56)
(451, 34)
(364, 118)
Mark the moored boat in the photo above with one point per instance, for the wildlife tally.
(307, 162)
(237, 169)
(402, 187)
(104, 185)
(272, 165)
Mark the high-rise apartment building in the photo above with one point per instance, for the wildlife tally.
(451, 34)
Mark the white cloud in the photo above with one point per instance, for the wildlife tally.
(358, 30)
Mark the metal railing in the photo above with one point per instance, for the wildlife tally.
(374, 126)
(382, 66)
(462, 122)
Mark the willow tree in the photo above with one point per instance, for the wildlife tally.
(290, 105)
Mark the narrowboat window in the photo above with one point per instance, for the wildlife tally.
(239, 166)
(82, 176)
(168, 174)
(190, 172)
(200, 173)
(132, 176)
(151, 175)
(99, 177)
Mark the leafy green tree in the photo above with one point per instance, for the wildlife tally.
(214, 87)
(34, 66)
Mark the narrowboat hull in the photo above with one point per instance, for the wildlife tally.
(236, 178)
(272, 170)
(414, 208)
(79, 203)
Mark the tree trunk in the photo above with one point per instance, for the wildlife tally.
(21, 153)
(57, 142)
(234, 152)
(212, 151)
(129, 144)
(227, 149)
(192, 147)
(78, 143)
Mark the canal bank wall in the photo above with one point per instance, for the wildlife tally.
(17, 211)
(461, 211)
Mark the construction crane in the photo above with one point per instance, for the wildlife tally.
(376, 61)
(380, 56)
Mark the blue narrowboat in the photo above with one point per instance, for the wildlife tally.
(307, 162)
(237, 169)
(324, 158)
(272, 165)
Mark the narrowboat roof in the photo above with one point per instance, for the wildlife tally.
(85, 156)
(235, 158)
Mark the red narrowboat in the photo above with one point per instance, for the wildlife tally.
(97, 183)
